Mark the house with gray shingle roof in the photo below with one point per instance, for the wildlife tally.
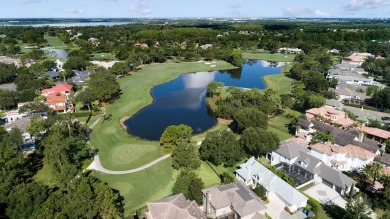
(174, 207)
(253, 173)
(297, 162)
(234, 200)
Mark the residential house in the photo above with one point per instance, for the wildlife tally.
(22, 124)
(94, 41)
(234, 200)
(206, 46)
(53, 74)
(9, 86)
(334, 104)
(13, 115)
(174, 207)
(367, 115)
(357, 58)
(341, 137)
(384, 159)
(252, 173)
(57, 97)
(329, 114)
(8, 60)
(350, 96)
(289, 50)
(349, 76)
(343, 158)
(81, 77)
(297, 161)
(142, 45)
(376, 134)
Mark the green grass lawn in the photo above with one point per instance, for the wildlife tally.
(209, 177)
(138, 188)
(44, 175)
(281, 134)
(265, 55)
(202, 136)
(279, 122)
(279, 83)
(55, 42)
(103, 56)
(117, 149)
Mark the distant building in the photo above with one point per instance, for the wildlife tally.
(174, 207)
(289, 50)
(367, 115)
(357, 58)
(206, 46)
(8, 60)
(94, 41)
(334, 51)
(350, 96)
(81, 77)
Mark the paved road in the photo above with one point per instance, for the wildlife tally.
(96, 165)
(97, 120)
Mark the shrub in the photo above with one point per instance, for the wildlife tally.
(260, 191)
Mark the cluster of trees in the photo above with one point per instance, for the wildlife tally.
(238, 99)
(72, 193)
(378, 67)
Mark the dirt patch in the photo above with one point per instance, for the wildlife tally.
(122, 121)
(224, 121)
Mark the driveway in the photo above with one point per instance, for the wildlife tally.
(325, 194)
(275, 209)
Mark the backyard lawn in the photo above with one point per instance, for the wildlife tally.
(202, 136)
(279, 122)
(209, 177)
(281, 134)
(103, 56)
(138, 188)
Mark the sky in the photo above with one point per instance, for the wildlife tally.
(194, 8)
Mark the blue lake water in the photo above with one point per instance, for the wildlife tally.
(59, 53)
(182, 100)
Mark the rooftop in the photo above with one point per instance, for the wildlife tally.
(375, 132)
(237, 195)
(270, 181)
(174, 207)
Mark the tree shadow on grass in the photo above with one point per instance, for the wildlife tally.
(333, 210)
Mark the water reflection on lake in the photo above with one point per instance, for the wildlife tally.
(182, 100)
(59, 53)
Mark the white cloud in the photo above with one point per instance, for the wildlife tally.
(304, 12)
(77, 11)
(356, 5)
(140, 8)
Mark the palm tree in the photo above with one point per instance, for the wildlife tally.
(373, 171)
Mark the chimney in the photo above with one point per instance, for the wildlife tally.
(361, 136)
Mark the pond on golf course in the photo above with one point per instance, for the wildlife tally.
(182, 100)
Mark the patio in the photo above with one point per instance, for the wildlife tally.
(275, 209)
(325, 195)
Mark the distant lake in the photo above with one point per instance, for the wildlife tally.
(182, 100)
(59, 53)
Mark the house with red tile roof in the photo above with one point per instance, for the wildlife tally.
(343, 158)
(329, 114)
(376, 134)
(59, 88)
(57, 97)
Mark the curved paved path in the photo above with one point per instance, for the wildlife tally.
(96, 165)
